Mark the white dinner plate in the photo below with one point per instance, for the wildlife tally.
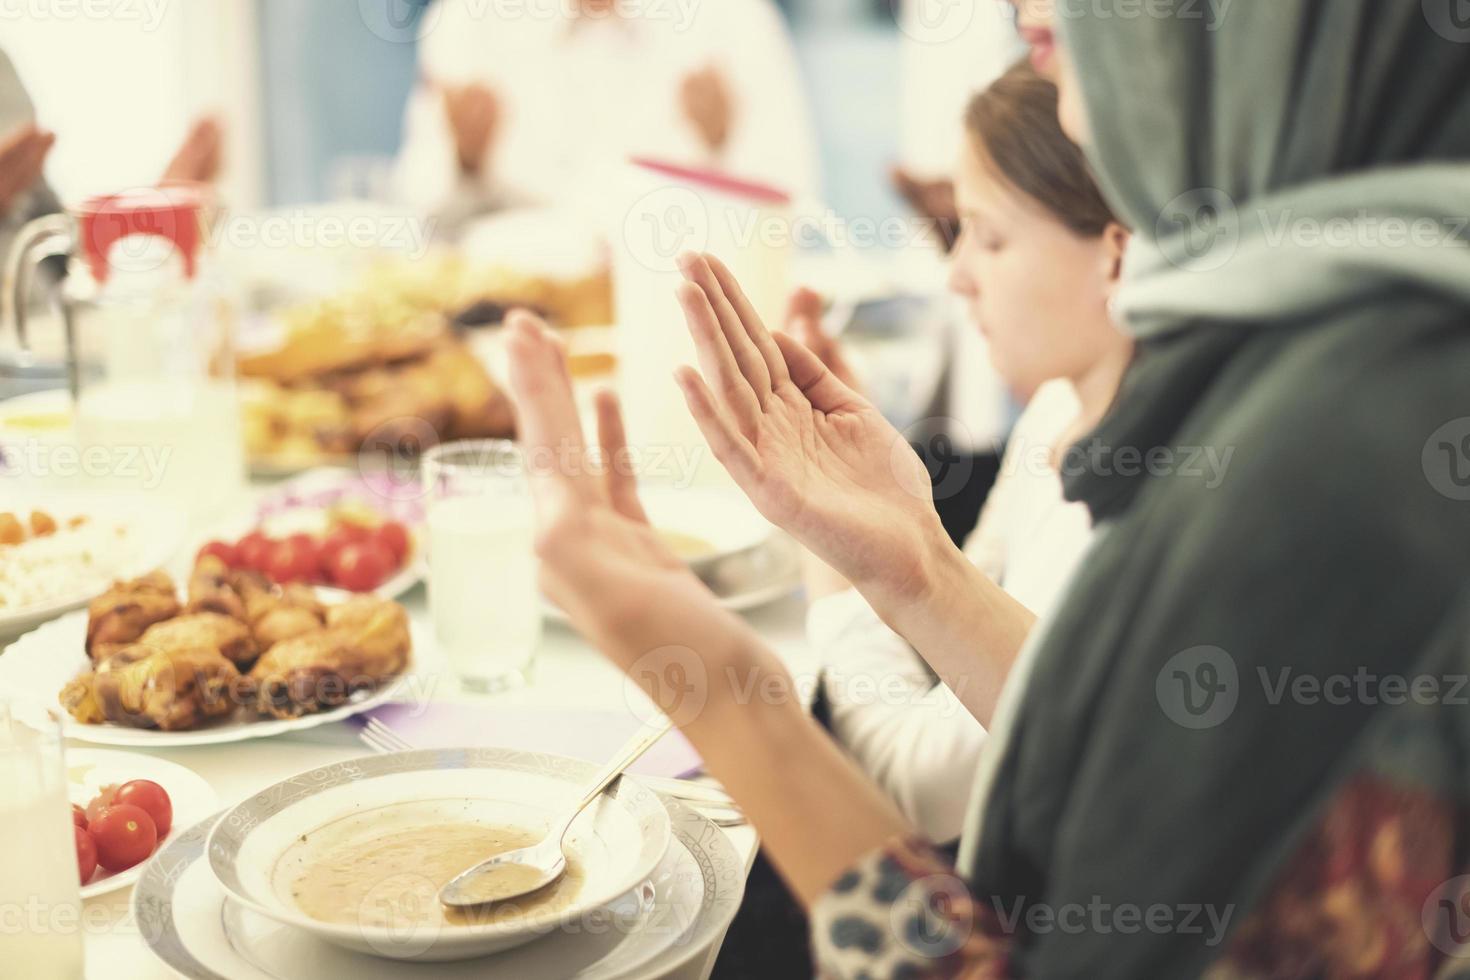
(40, 664)
(88, 770)
(155, 532)
(187, 921)
(617, 842)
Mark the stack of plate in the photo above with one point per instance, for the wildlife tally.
(660, 883)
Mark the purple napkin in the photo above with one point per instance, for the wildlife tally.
(590, 735)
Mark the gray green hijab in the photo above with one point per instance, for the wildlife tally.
(1161, 755)
(1280, 158)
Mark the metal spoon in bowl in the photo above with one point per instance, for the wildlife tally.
(520, 872)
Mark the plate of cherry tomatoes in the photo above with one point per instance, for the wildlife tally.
(343, 547)
(125, 806)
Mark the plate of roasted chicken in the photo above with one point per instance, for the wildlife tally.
(349, 380)
(232, 657)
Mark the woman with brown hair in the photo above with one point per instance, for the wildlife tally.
(1037, 259)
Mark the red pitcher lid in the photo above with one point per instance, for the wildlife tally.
(717, 180)
(173, 212)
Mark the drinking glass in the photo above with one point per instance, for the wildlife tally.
(40, 898)
(483, 596)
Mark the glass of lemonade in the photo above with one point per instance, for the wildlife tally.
(483, 596)
(40, 898)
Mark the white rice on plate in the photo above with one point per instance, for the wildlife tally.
(74, 561)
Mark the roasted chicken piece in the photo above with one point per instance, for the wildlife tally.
(449, 389)
(366, 642)
(79, 698)
(205, 630)
(481, 409)
(211, 589)
(273, 613)
(276, 613)
(391, 405)
(121, 614)
(379, 631)
(346, 334)
(144, 687)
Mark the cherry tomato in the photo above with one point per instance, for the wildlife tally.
(100, 803)
(314, 545)
(86, 853)
(293, 560)
(253, 551)
(152, 799)
(125, 836)
(78, 816)
(393, 536)
(359, 530)
(222, 550)
(308, 545)
(362, 567)
(338, 538)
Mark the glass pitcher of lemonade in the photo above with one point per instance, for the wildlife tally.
(149, 342)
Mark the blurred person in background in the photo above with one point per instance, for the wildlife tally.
(944, 65)
(24, 147)
(948, 54)
(1037, 261)
(538, 106)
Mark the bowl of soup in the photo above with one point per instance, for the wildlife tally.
(356, 853)
(707, 527)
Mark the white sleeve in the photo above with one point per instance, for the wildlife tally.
(772, 139)
(908, 731)
(426, 175)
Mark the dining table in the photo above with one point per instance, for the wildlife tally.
(566, 676)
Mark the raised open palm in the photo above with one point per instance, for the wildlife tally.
(600, 558)
(815, 457)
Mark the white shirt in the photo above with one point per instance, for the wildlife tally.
(910, 734)
(579, 95)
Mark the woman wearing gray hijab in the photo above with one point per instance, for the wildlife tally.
(1241, 747)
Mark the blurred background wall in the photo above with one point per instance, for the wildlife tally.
(313, 92)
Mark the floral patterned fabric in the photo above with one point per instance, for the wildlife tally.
(1374, 891)
(904, 914)
(1379, 889)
